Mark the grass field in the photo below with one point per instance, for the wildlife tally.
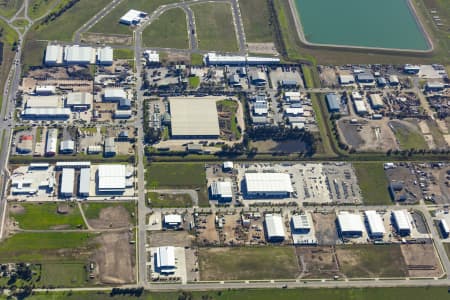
(110, 23)
(63, 275)
(231, 125)
(373, 183)
(168, 31)
(372, 261)
(215, 29)
(38, 8)
(447, 248)
(45, 247)
(45, 216)
(408, 138)
(194, 82)
(248, 263)
(9, 7)
(196, 59)
(257, 21)
(169, 200)
(178, 175)
(92, 209)
(123, 54)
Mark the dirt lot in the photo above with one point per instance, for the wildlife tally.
(325, 228)
(206, 229)
(107, 38)
(264, 48)
(172, 238)
(110, 269)
(317, 262)
(421, 260)
(406, 175)
(373, 135)
(233, 233)
(111, 217)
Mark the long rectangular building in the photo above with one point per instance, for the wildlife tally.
(274, 228)
(267, 185)
(375, 224)
(51, 142)
(85, 182)
(53, 55)
(111, 179)
(401, 220)
(67, 182)
(350, 225)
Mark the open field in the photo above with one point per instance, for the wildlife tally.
(37, 8)
(410, 293)
(49, 246)
(257, 21)
(248, 263)
(294, 50)
(227, 110)
(365, 261)
(373, 183)
(168, 31)
(46, 216)
(215, 29)
(123, 54)
(110, 23)
(63, 275)
(110, 215)
(169, 200)
(408, 135)
(9, 7)
(178, 176)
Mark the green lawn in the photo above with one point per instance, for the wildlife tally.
(408, 138)
(407, 293)
(372, 261)
(38, 8)
(447, 249)
(63, 275)
(92, 209)
(196, 59)
(9, 7)
(373, 183)
(248, 263)
(46, 247)
(110, 23)
(123, 54)
(45, 216)
(168, 31)
(169, 200)
(257, 21)
(215, 29)
(194, 82)
(178, 175)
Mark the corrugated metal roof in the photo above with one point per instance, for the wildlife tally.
(172, 219)
(114, 94)
(67, 181)
(78, 54)
(376, 225)
(350, 222)
(402, 219)
(85, 181)
(165, 257)
(223, 189)
(79, 98)
(51, 142)
(274, 226)
(105, 55)
(332, 102)
(268, 182)
(301, 222)
(111, 177)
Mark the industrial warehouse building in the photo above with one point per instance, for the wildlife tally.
(79, 55)
(42, 101)
(111, 179)
(132, 17)
(360, 107)
(217, 59)
(45, 113)
(109, 147)
(376, 101)
(165, 260)
(53, 55)
(84, 182)
(72, 164)
(375, 225)
(67, 182)
(194, 118)
(274, 228)
(332, 103)
(172, 221)
(67, 147)
(51, 142)
(300, 224)
(114, 94)
(222, 191)
(401, 219)
(350, 225)
(25, 144)
(105, 56)
(445, 230)
(267, 185)
(45, 90)
(79, 100)
(346, 79)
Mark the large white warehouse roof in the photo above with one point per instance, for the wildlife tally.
(402, 219)
(53, 54)
(43, 101)
(111, 178)
(268, 182)
(350, 222)
(79, 54)
(376, 225)
(165, 257)
(115, 94)
(194, 117)
(67, 181)
(105, 55)
(85, 182)
(274, 226)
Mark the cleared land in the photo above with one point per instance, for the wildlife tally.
(63, 275)
(257, 21)
(247, 263)
(227, 119)
(410, 293)
(37, 8)
(373, 183)
(363, 261)
(9, 7)
(215, 29)
(168, 31)
(408, 135)
(169, 200)
(47, 216)
(178, 176)
(110, 215)
(110, 23)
